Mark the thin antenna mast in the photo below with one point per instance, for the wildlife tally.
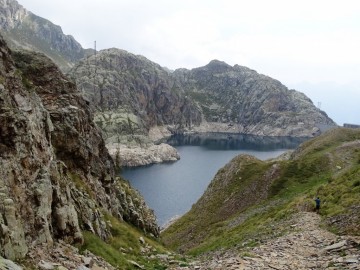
(95, 50)
(95, 66)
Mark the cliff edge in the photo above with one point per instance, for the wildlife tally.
(57, 177)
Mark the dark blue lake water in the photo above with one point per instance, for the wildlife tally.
(171, 188)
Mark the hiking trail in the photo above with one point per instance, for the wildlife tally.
(305, 246)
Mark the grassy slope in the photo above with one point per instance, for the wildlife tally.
(247, 197)
(124, 246)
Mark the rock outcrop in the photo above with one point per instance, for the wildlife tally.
(133, 96)
(23, 29)
(56, 175)
(138, 93)
(139, 156)
(238, 99)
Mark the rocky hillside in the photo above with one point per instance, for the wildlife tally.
(305, 245)
(239, 99)
(138, 102)
(136, 99)
(249, 201)
(141, 91)
(133, 96)
(23, 29)
(216, 97)
(57, 182)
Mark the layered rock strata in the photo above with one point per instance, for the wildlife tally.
(57, 177)
(133, 96)
(23, 29)
(238, 99)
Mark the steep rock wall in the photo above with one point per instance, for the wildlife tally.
(57, 177)
(241, 100)
(23, 29)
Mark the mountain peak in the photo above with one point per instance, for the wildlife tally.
(11, 14)
(24, 30)
(217, 64)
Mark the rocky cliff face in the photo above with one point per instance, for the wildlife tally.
(142, 91)
(135, 98)
(11, 14)
(228, 99)
(57, 177)
(248, 102)
(132, 96)
(23, 29)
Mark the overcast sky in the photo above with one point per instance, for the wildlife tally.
(309, 44)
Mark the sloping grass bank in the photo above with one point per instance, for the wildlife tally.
(250, 200)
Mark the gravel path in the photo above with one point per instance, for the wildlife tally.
(306, 246)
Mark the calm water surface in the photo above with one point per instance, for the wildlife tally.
(171, 188)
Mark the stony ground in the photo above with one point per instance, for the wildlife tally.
(306, 246)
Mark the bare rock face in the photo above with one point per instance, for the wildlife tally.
(11, 14)
(23, 29)
(9, 265)
(140, 156)
(133, 96)
(56, 175)
(132, 93)
(241, 100)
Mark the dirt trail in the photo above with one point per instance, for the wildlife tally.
(306, 246)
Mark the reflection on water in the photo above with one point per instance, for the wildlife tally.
(171, 188)
(224, 141)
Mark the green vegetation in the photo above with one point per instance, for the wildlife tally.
(201, 97)
(249, 198)
(124, 246)
(80, 184)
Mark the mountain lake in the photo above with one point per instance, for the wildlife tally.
(170, 189)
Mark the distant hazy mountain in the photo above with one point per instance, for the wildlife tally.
(23, 29)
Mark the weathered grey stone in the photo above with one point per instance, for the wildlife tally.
(50, 39)
(137, 265)
(142, 241)
(44, 265)
(352, 260)
(88, 261)
(139, 98)
(8, 265)
(336, 245)
(139, 156)
(56, 172)
(83, 267)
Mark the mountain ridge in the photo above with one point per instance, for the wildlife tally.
(58, 183)
(137, 100)
(24, 30)
(247, 196)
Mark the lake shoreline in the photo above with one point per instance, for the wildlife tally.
(171, 188)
